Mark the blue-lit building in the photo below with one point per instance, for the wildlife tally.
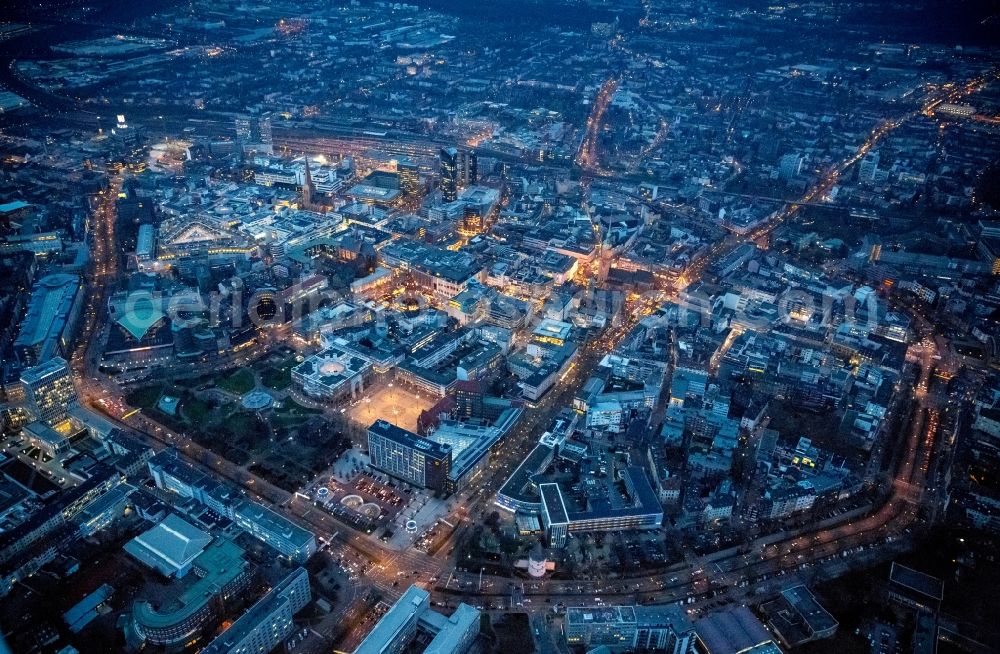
(406, 456)
(172, 474)
(49, 390)
(449, 174)
(268, 621)
(53, 312)
(410, 616)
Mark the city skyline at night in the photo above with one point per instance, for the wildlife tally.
(555, 326)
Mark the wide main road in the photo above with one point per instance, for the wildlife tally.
(587, 157)
(102, 272)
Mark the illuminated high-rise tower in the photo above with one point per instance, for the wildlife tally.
(468, 168)
(449, 174)
(409, 177)
(254, 133)
(48, 390)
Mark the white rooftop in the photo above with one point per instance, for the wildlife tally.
(170, 546)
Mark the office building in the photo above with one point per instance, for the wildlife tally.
(46, 439)
(409, 178)
(48, 390)
(552, 332)
(254, 133)
(145, 248)
(170, 547)
(275, 530)
(630, 628)
(54, 516)
(406, 456)
(449, 174)
(169, 473)
(868, 168)
(798, 618)
(790, 166)
(412, 616)
(220, 577)
(53, 311)
(104, 510)
(268, 621)
(467, 165)
(914, 589)
(472, 443)
(637, 508)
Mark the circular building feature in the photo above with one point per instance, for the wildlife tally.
(352, 502)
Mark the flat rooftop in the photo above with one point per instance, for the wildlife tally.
(169, 546)
(221, 563)
(413, 602)
(409, 439)
(917, 581)
(255, 615)
(818, 618)
(600, 615)
(274, 523)
(517, 485)
(728, 632)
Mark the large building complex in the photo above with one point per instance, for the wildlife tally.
(597, 506)
(406, 456)
(472, 443)
(440, 273)
(220, 577)
(268, 622)
(331, 374)
(630, 628)
(290, 540)
(48, 328)
(412, 615)
(636, 508)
